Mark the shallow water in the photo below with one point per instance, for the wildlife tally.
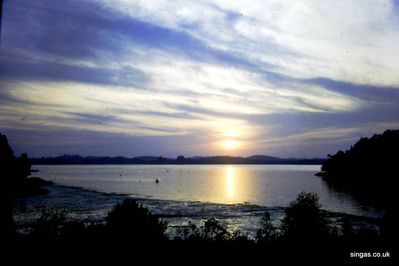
(262, 185)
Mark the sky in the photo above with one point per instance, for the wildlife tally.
(124, 77)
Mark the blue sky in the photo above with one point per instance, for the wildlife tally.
(124, 77)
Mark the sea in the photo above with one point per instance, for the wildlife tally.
(237, 195)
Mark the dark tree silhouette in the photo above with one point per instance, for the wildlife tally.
(215, 231)
(133, 222)
(49, 226)
(14, 183)
(267, 231)
(367, 170)
(7, 170)
(304, 219)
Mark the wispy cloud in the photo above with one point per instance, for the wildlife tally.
(265, 73)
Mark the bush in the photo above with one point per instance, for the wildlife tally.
(211, 231)
(134, 222)
(304, 219)
(267, 231)
(49, 225)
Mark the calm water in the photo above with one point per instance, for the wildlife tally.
(263, 185)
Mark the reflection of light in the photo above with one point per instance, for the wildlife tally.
(230, 182)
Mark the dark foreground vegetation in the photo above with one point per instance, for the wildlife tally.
(130, 228)
(368, 169)
(14, 180)
(303, 233)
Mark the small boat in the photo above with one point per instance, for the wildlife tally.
(156, 180)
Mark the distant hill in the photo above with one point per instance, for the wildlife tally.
(262, 158)
(255, 159)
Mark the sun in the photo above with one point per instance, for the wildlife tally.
(230, 144)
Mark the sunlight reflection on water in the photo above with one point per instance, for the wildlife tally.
(264, 185)
(230, 183)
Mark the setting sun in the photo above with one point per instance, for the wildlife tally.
(230, 144)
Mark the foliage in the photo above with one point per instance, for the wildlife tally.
(368, 171)
(50, 224)
(14, 172)
(304, 219)
(267, 231)
(211, 231)
(129, 220)
(14, 169)
(126, 221)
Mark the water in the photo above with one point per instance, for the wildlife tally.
(272, 186)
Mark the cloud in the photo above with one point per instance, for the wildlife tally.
(260, 73)
(301, 39)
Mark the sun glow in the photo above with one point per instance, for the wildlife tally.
(230, 144)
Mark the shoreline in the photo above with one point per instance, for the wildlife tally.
(91, 206)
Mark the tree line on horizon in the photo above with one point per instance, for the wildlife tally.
(256, 159)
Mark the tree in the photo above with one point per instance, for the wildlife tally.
(267, 231)
(304, 219)
(134, 222)
(213, 230)
(367, 170)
